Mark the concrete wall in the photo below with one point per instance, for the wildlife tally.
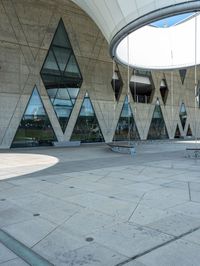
(26, 31)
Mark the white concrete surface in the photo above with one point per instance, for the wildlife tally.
(147, 206)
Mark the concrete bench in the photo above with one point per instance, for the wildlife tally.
(122, 148)
(66, 143)
(193, 153)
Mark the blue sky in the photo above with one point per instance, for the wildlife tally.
(170, 21)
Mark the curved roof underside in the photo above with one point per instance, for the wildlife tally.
(119, 18)
(113, 15)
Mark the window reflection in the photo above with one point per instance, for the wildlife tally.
(126, 127)
(157, 128)
(177, 132)
(141, 86)
(117, 83)
(35, 128)
(87, 128)
(183, 115)
(61, 75)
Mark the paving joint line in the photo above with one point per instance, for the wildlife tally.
(22, 251)
(157, 246)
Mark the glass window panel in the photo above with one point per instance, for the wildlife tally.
(63, 106)
(157, 128)
(63, 94)
(126, 110)
(61, 38)
(72, 68)
(63, 112)
(117, 83)
(183, 115)
(35, 128)
(87, 109)
(62, 55)
(50, 65)
(61, 102)
(177, 132)
(189, 131)
(73, 92)
(52, 92)
(182, 73)
(87, 128)
(126, 127)
(164, 90)
(62, 88)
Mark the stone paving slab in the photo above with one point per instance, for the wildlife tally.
(90, 222)
(193, 237)
(91, 255)
(30, 232)
(177, 253)
(129, 239)
(127, 205)
(6, 254)
(15, 262)
(176, 225)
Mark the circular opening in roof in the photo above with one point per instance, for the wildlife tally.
(169, 43)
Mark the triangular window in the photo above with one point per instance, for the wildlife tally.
(182, 73)
(63, 104)
(61, 74)
(126, 128)
(35, 128)
(62, 56)
(87, 127)
(164, 90)
(183, 115)
(189, 131)
(157, 128)
(117, 83)
(177, 132)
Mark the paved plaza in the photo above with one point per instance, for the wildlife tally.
(90, 206)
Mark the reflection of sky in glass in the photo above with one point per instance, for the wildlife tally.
(157, 112)
(63, 100)
(171, 21)
(63, 112)
(126, 110)
(63, 103)
(35, 106)
(182, 109)
(73, 92)
(87, 109)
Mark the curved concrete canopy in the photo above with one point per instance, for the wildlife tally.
(118, 18)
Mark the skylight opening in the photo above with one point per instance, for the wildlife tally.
(163, 45)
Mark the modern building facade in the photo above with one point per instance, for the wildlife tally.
(59, 83)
